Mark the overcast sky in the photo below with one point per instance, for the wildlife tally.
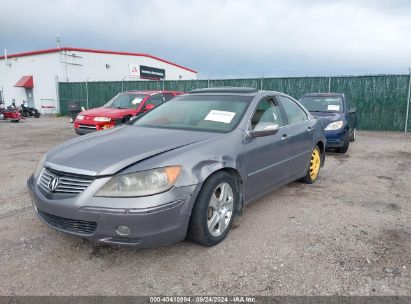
(237, 38)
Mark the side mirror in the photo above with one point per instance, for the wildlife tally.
(264, 129)
(148, 107)
(352, 110)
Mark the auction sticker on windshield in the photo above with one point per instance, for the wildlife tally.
(136, 101)
(333, 108)
(220, 116)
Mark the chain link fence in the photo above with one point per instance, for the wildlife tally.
(381, 100)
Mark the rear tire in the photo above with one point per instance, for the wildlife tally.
(353, 135)
(314, 168)
(211, 218)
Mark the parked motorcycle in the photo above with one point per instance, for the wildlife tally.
(27, 111)
(9, 113)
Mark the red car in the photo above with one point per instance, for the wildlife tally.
(120, 109)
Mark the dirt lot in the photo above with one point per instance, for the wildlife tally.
(349, 234)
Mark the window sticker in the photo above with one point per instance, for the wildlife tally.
(220, 116)
(136, 101)
(333, 107)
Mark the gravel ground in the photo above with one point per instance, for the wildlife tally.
(348, 234)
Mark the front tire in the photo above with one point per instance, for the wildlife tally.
(314, 168)
(353, 135)
(344, 148)
(213, 211)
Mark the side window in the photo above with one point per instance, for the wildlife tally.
(266, 113)
(155, 100)
(292, 110)
(168, 96)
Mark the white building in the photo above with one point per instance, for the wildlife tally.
(33, 76)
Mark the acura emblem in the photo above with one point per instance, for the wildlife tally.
(53, 183)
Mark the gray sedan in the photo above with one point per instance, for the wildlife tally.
(184, 169)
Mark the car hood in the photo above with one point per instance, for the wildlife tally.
(326, 117)
(106, 112)
(107, 152)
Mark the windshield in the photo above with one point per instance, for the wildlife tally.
(199, 113)
(125, 101)
(322, 104)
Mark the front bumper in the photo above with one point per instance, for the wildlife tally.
(83, 131)
(87, 127)
(336, 139)
(152, 221)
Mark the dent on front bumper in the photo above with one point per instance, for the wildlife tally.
(152, 221)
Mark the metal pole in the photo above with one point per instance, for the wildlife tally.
(329, 83)
(56, 79)
(208, 81)
(261, 82)
(408, 103)
(87, 93)
(122, 83)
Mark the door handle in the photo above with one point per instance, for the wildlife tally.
(309, 129)
(284, 137)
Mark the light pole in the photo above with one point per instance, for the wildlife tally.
(122, 83)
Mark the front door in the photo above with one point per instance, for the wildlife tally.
(265, 155)
(30, 97)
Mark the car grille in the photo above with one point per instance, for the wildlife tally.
(70, 225)
(88, 127)
(70, 184)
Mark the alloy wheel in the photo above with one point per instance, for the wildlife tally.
(220, 209)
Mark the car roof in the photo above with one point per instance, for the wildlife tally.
(233, 91)
(323, 94)
(149, 92)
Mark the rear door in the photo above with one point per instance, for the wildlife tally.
(265, 155)
(299, 135)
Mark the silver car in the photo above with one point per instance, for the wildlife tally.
(184, 169)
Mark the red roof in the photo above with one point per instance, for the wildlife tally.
(70, 49)
(25, 82)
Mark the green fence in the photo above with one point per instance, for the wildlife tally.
(381, 100)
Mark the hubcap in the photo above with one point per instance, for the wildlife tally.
(315, 164)
(220, 209)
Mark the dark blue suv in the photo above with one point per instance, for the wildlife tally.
(338, 118)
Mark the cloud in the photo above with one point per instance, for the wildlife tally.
(238, 37)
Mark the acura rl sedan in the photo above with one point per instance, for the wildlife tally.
(184, 169)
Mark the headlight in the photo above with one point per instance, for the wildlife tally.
(335, 125)
(40, 166)
(141, 183)
(80, 117)
(102, 119)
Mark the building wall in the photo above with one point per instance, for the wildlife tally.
(72, 66)
(44, 69)
(83, 65)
